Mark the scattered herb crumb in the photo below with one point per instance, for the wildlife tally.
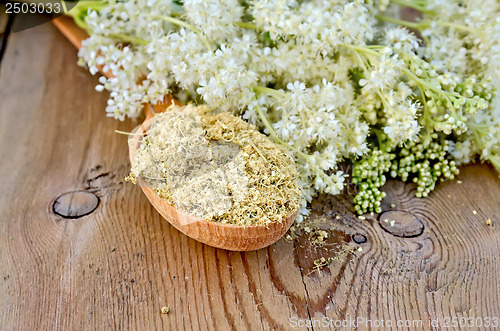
(323, 262)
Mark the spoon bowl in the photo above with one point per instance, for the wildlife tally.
(226, 236)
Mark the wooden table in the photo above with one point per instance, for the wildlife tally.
(116, 267)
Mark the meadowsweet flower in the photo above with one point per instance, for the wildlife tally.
(401, 39)
(217, 19)
(324, 79)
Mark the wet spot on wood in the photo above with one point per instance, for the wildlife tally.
(75, 204)
(401, 224)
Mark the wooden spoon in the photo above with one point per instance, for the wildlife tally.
(226, 236)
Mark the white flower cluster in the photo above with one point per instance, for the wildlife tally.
(321, 25)
(215, 18)
(463, 49)
(319, 76)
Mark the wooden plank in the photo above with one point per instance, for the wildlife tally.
(117, 266)
(447, 271)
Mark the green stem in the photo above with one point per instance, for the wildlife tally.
(456, 26)
(380, 134)
(83, 6)
(129, 38)
(183, 24)
(80, 10)
(410, 4)
(273, 134)
(411, 75)
(418, 80)
(426, 114)
(361, 62)
(413, 25)
(379, 92)
(478, 126)
(423, 24)
(495, 161)
(361, 49)
(246, 25)
(178, 22)
(270, 91)
(280, 95)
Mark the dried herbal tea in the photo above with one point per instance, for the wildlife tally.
(216, 166)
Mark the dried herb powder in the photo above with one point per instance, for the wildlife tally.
(216, 166)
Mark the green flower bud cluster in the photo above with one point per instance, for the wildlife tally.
(369, 175)
(424, 162)
(447, 97)
(478, 88)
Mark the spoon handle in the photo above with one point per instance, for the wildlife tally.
(70, 30)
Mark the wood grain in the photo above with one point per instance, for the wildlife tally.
(116, 267)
